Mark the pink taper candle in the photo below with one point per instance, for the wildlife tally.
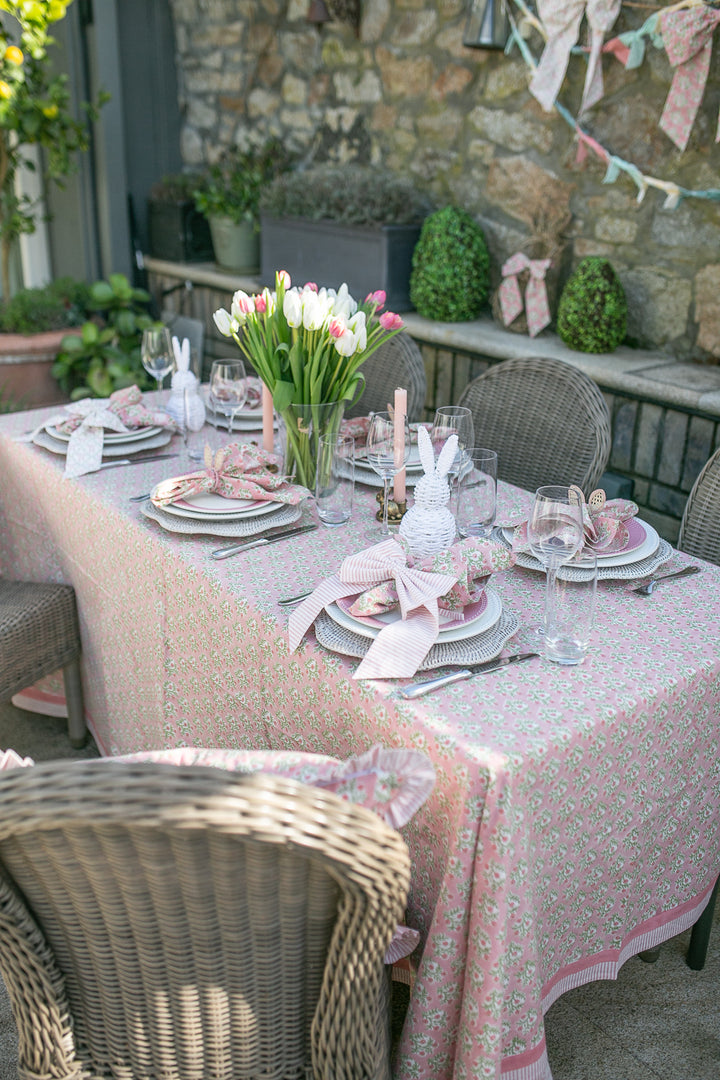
(267, 415)
(399, 442)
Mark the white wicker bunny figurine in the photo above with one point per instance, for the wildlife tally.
(184, 394)
(429, 527)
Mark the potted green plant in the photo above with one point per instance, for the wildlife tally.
(346, 223)
(229, 197)
(32, 324)
(105, 355)
(34, 110)
(450, 267)
(177, 231)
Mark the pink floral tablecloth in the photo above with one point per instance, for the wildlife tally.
(575, 818)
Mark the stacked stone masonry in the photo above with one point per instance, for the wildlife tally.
(403, 91)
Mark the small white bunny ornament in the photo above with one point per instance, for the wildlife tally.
(185, 390)
(429, 527)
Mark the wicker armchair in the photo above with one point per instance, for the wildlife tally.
(398, 362)
(548, 422)
(39, 634)
(700, 527)
(172, 921)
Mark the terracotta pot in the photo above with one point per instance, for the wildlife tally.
(26, 362)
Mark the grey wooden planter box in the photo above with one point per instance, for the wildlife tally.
(366, 257)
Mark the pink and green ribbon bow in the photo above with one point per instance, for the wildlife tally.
(236, 471)
(687, 37)
(536, 306)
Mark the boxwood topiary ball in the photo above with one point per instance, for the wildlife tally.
(592, 314)
(450, 267)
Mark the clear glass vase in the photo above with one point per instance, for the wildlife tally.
(304, 424)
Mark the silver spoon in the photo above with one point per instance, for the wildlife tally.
(288, 601)
(140, 498)
(650, 586)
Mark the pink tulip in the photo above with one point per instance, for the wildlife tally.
(337, 326)
(283, 278)
(261, 304)
(311, 286)
(390, 321)
(377, 298)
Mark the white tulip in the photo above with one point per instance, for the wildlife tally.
(223, 321)
(293, 308)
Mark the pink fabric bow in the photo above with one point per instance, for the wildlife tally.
(238, 471)
(687, 37)
(537, 310)
(561, 19)
(471, 561)
(399, 648)
(125, 406)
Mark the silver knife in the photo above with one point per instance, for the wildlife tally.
(416, 690)
(136, 460)
(225, 553)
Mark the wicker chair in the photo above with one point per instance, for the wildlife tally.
(398, 362)
(172, 921)
(700, 527)
(39, 634)
(548, 422)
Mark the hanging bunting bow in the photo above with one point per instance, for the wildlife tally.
(561, 20)
(687, 36)
(537, 310)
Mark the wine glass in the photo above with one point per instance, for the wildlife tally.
(228, 388)
(386, 457)
(157, 354)
(555, 535)
(453, 420)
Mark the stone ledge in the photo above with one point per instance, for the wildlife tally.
(637, 373)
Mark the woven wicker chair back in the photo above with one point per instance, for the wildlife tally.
(39, 633)
(398, 362)
(548, 422)
(180, 921)
(700, 527)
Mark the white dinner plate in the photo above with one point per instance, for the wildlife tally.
(58, 446)
(482, 621)
(252, 509)
(627, 558)
(110, 437)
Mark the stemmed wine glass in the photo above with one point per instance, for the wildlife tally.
(228, 388)
(386, 457)
(555, 535)
(157, 354)
(453, 420)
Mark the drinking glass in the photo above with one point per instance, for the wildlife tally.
(555, 535)
(228, 388)
(335, 478)
(477, 493)
(385, 458)
(157, 354)
(453, 420)
(567, 637)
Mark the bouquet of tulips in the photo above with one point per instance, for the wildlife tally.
(308, 346)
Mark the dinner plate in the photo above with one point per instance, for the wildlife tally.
(255, 508)
(58, 446)
(110, 437)
(244, 526)
(480, 621)
(365, 475)
(642, 542)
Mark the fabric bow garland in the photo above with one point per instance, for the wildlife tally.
(537, 310)
(561, 19)
(400, 647)
(237, 471)
(687, 37)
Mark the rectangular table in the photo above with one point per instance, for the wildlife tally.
(574, 820)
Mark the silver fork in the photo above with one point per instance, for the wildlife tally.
(650, 586)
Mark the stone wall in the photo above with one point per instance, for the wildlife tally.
(404, 91)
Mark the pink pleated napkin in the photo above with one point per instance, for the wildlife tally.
(236, 471)
(605, 524)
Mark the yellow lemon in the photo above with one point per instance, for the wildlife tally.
(50, 111)
(13, 55)
(5, 91)
(56, 10)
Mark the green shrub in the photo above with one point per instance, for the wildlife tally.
(350, 194)
(61, 304)
(592, 314)
(233, 185)
(106, 356)
(450, 276)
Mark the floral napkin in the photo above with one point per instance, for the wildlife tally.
(605, 524)
(86, 421)
(237, 471)
(385, 576)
